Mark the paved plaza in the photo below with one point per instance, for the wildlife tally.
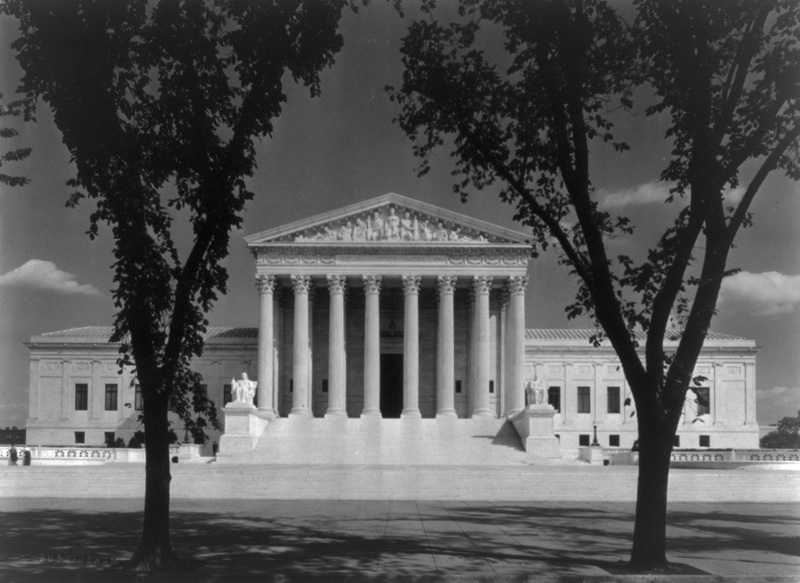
(51, 539)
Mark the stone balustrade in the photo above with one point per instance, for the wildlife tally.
(75, 455)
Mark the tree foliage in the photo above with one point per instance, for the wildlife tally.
(12, 109)
(525, 89)
(785, 436)
(159, 105)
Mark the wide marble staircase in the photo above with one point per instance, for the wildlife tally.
(371, 441)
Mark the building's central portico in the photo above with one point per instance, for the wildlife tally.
(391, 307)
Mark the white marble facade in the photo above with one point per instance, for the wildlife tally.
(392, 308)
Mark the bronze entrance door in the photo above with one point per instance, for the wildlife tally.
(391, 385)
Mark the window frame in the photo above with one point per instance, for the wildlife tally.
(703, 409)
(617, 402)
(138, 400)
(111, 399)
(554, 391)
(82, 396)
(584, 403)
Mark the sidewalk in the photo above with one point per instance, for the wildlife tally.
(261, 540)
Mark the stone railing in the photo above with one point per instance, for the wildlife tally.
(618, 457)
(71, 455)
(627, 458)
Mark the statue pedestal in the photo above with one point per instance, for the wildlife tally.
(244, 424)
(534, 425)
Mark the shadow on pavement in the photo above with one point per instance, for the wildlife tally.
(332, 541)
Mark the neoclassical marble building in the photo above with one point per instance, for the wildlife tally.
(393, 308)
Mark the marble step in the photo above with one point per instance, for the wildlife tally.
(349, 441)
(387, 482)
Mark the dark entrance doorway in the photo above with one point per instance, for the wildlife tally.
(391, 385)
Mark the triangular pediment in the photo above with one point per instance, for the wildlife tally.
(389, 219)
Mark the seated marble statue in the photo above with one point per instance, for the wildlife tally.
(534, 391)
(244, 390)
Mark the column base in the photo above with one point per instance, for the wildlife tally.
(335, 413)
(446, 413)
(301, 412)
(371, 413)
(268, 411)
(482, 414)
(513, 412)
(410, 414)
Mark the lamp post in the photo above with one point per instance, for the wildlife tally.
(595, 443)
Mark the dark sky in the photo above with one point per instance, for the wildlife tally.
(342, 148)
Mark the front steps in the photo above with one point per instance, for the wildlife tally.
(519, 483)
(375, 441)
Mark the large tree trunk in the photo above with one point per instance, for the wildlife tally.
(656, 436)
(155, 552)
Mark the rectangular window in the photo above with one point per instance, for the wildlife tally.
(583, 439)
(291, 385)
(227, 396)
(109, 438)
(81, 397)
(613, 440)
(458, 386)
(676, 442)
(138, 403)
(324, 385)
(584, 400)
(705, 441)
(491, 387)
(80, 437)
(613, 399)
(554, 398)
(703, 400)
(111, 397)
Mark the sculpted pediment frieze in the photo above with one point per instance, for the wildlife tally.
(390, 224)
(389, 220)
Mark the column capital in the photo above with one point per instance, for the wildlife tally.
(482, 284)
(301, 283)
(411, 284)
(337, 284)
(516, 284)
(265, 283)
(372, 283)
(446, 284)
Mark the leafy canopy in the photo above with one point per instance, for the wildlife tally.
(159, 106)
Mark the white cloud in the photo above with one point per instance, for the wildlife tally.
(655, 192)
(776, 403)
(762, 294)
(648, 193)
(45, 275)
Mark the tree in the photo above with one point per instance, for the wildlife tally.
(159, 106)
(13, 109)
(786, 436)
(525, 113)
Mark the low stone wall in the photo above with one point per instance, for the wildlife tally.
(726, 458)
(48, 455)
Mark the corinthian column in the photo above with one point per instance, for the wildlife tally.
(266, 288)
(372, 346)
(515, 344)
(411, 347)
(445, 349)
(337, 398)
(300, 362)
(481, 285)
